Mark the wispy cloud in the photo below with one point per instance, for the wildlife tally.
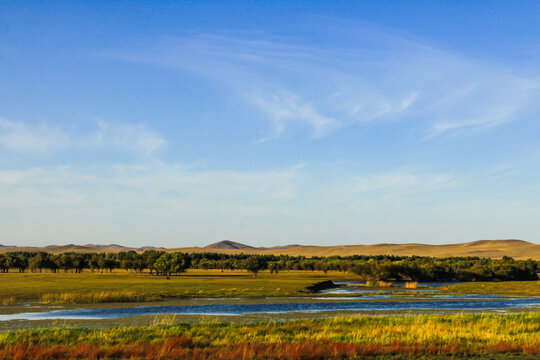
(378, 75)
(18, 136)
(285, 108)
(128, 136)
(178, 205)
(45, 137)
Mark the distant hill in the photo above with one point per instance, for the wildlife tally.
(56, 249)
(517, 249)
(228, 245)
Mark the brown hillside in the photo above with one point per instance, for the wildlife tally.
(228, 245)
(517, 249)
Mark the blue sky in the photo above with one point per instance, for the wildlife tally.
(184, 123)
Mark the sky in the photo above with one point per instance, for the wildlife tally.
(269, 123)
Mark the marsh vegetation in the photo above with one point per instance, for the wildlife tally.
(335, 338)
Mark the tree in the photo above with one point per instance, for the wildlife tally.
(39, 261)
(273, 267)
(254, 264)
(150, 257)
(65, 261)
(20, 262)
(94, 262)
(5, 262)
(168, 264)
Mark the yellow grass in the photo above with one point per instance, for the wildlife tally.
(97, 297)
(8, 300)
(411, 284)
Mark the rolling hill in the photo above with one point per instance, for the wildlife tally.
(517, 249)
(228, 245)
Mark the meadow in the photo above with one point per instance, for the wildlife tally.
(123, 286)
(530, 288)
(455, 336)
(447, 336)
(192, 284)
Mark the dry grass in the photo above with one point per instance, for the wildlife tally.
(338, 338)
(97, 297)
(378, 283)
(411, 284)
(183, 347)
(8, 300)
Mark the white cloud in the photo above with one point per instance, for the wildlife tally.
(127, 203)
(18, 136)
(156, 203)
(285, 108)
(128, 136)
(29, 138)
(378, 75)
(399, 181)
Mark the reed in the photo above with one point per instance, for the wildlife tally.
(98, 297)
(411, 284)
(8, 300)
(378, 283)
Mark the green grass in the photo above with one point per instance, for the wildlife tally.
(193, 284)
(344, 338)
(196, 284)
(530, 288)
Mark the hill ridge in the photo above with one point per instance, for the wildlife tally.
(518, 249)
(228, 244)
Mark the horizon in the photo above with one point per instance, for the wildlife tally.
(313, 123)
(267, 246)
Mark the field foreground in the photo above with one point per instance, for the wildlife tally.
(484, 336)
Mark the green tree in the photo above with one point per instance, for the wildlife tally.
(169, 264)
(254, 264)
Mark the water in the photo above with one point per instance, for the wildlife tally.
(278, 308)
(358, 288)
(421, 284)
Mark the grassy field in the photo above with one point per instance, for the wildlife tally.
(489, 336)
(530, 288)
(194, 283)
(95, 287)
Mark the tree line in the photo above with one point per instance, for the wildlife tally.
(380, 267)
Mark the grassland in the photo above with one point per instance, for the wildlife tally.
(193, 284)
(486, 336)
(529, 288)
(121, 286)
